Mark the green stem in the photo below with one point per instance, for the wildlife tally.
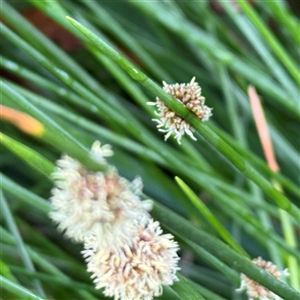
(205, 211)
(175, 223)
(109, 23)
(17, 290)
(30, 198)
(184, 287)
(30, 156)
(290, 238)
(44, 264)
(180, 110)
(283, 16)
(238, 161)
(215, 50)
(255, 160)
(231, 274)
(16, 233)
(169, 159)
(53, 132)
(278, 49)
(259, 44)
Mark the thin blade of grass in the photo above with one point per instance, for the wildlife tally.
(271, 40)
(175, 223)
(216, 51)
(184, 287)
(211, 136)
(44, 264)
(247, 28)
(31, 157)
(24, 194)
(205, 211)
(19, 241)
(18, 290)
(266, 142)
(53, 131)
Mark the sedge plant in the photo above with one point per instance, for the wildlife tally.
(187, 207)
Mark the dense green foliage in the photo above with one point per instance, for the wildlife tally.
(224, 206)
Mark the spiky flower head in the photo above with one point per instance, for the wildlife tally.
(254, 290)
(136, 269)
(85, 202)
(190, 96)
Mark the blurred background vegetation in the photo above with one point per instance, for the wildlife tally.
(49, 71)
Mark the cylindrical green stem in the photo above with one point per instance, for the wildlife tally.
(178, 224)
(196, 123)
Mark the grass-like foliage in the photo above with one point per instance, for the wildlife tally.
(74, 72)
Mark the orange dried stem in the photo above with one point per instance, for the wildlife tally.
(23, 121)
(262, 129)
(271, 160)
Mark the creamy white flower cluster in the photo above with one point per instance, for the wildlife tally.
(125, 249)
(190, 96)
(256, 291)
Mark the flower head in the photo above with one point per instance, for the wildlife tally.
(135, 270)
(255, 290)
(190, 96)
(86, 202)
(124, 248)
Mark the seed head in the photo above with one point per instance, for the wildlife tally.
(136, 269)
(190, 96)
(125, 250)
(84, 202)
(255, 290)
